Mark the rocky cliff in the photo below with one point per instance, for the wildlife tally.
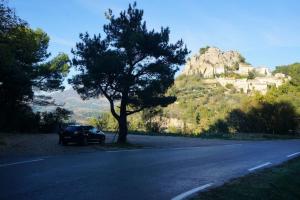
(211, 61)
(230, 68)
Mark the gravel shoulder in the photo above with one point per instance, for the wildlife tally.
(15, 144)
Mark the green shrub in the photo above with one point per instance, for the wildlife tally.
(203, 50)
(251, 75)
(273, 118)
(105, 121)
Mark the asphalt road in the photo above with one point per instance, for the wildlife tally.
(156, 173)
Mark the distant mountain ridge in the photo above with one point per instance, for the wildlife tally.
(82, 109)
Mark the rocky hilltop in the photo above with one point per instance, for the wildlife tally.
(211, 61)
(231, 68)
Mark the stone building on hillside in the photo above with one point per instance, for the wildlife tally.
(211, 62)
(260, 84)
(219, 70)
(263, 71)
(244, 69)
(281, 75)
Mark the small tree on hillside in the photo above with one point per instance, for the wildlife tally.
(132, 65)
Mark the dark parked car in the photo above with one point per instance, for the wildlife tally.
(81, 135)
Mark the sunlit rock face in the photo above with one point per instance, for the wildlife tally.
(211, 61)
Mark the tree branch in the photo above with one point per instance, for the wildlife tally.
(112, 106)
(139, 60)
(112, 109)
(135, 111)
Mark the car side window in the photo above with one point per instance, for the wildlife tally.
(94, 130)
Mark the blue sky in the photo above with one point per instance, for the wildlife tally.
(266, 32)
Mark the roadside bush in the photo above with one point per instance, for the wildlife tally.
(154, 127)
(272, 118)
(219, 127)
(25, 120)
(20, 119)
(52, 121)
(173, 129)
(105, 121)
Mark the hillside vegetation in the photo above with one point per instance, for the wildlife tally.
(203, 106)
(201, 102)
(206, 107)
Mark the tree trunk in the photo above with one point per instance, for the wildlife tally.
(122, 129)
(123, 120)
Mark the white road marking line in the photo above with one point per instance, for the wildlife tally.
(191, 192)
(293, 154)
(123, 150)
(182, 148)
(259, 166)
(21, 162)
(231, 145)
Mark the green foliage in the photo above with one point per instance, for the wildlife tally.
(51, 74)
(251, 75)
(242, 59)
(131, 65)
(229, 73)
(205, 107)
(230, 69)
(277, 112)
(151, 118)
(276, 183)
(235, 66)
(273, 118)
(203, 50)
(24, 67)
(136, 122)
(50, 121)
(288, 92)
(219, 127)
(229, 86)
(24, 120)
(200, 103)
(292, 70)
(174, 130)
(105, 121)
